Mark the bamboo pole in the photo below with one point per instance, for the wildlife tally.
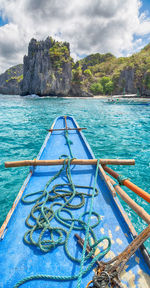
(133, 205)
(63, 129)
(66, 127)
(73, 162)
(143, 194)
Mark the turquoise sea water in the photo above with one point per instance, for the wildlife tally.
(113, 131)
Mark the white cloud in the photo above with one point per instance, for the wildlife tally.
(89, 25)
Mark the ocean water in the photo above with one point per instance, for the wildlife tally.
(113, 131)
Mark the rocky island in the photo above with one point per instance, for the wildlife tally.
(10, 80)
(49, 70)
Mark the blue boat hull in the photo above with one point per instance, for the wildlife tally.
(18, 260)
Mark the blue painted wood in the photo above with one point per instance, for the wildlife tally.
(18, 260)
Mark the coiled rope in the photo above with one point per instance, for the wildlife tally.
(60, 235)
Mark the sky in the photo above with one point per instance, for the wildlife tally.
(121, 27)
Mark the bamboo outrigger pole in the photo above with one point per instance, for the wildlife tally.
(73, 162)
(129, 184)
(64, 129)
(133, 205)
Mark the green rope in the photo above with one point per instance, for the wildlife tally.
(45, 216)
(66, 278)
(87, 230)
(69, 143)
(60, 235)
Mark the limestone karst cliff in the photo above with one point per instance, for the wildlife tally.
(10, 80)
(47, 68)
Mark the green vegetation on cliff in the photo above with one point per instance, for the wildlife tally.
(17, 78)
(103, 86)
(106, 74)
(59, 54)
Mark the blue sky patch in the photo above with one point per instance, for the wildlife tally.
(145, 7)
(2, 21)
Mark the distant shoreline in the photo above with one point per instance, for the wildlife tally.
(126, 97)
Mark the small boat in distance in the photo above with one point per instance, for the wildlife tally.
(128, 100)
(67, 218)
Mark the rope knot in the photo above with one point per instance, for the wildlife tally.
(45, 225)
(121, 179)
(101, 281)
